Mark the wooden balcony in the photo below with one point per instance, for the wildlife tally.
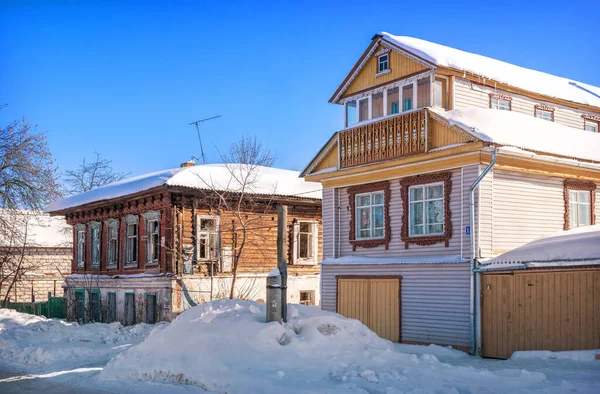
(390, 138)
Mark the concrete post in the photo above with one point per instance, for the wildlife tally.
(274, 303)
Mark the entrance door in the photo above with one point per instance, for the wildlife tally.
(373, 301)
(129, 309)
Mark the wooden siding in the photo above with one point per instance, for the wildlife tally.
(400, 66)
(517, 208)
(459, 215)
(434, 297)
(469, 94)
(328, 222)
(441, 135)
(540, 311)
(329, 161)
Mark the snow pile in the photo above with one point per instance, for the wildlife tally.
(226, 346)
(524, 131)
(33, 340)
(576, 355)
(510, 74)
(580, 245)
(220, 177)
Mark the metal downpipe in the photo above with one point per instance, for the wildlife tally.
(474, 349)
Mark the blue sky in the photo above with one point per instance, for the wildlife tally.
(126, 79)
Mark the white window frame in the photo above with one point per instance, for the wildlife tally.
(152, 216)
(80, 239)
(95, 243)
(497, 104)
(424, 201)
(314, 227)
(380, 62)
(372, 222)
(210, 237)
(544, 114)
(110, 225)
(577, 203)
(131, 220)
(311, 297)
(595, 125)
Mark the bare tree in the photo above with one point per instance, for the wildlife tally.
(237, 200)
(91, 175)
(28, 182)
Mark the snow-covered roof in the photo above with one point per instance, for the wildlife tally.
(580, 246)
(524, 131)
(510, 74)
(42, 229)
(221, 177)
(359, 260)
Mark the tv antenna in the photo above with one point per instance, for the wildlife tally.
(198, 130)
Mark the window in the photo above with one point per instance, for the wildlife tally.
(393, 106)
(423, 92)
(112, 229)
(363, 109)
(151, 315)
(544, 112)
(95, 305)
(426, 212)
(307, 297)
(350, 113)
(79, 305)
(369, 215)
(306, 242)
(95, 236)
(80, 228)
(440, 99)
(383, 62)
(590, 125)
(152, 219)
(131, 241)
(407, 97)
(377, 103)
(580, 212)
(369, 206)
(500, 102)
(580, 203)
(207, 238)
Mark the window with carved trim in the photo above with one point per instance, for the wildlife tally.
(590, 125)
(95, 236)
(207, 238)
(384, 63)
(580, 201)
(500, 103)
(112, 255)
(152, 227)
(80, 229)
(370, 220)
(544, 114)
(305, 248)
(131, 240)
(426, 209)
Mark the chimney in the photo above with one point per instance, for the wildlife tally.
(189, 163)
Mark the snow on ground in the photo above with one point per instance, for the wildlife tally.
(33, 340)
(225, 346)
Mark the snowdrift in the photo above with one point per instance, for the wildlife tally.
(226, 346)
(34, 340)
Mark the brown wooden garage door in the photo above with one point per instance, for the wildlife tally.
(540, 311)
(373, 301)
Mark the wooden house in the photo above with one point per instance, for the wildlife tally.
(149, 247)
(446, 159)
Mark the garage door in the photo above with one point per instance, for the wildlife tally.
(373, 301)
(540, 311)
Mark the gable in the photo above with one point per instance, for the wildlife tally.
(326, 159)
(440, 134)
(400, 66)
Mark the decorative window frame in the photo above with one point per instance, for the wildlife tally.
(386, 70)
(425, 240)
(543, 107)
(95, 263)
(80, 228)
(594, 122)
(314, 259)
(217, 241)
(131, 219)
(151, 216)
(387, 233)
(577, 184)
(501, 97)
(112, 223)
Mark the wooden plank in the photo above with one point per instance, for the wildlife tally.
(596, 309)
(539, 308)
(546, 311)
(571, 308)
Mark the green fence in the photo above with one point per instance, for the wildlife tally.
(54, 307)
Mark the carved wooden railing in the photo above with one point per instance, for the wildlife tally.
(390, 138)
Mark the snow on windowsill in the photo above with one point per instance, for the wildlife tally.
(359, 260)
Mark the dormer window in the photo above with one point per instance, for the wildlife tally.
(384, 63)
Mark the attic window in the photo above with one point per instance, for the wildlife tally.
(500, 101)
(383, 62)
(590, 125)
(544, 112)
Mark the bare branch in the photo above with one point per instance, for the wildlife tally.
(91, 175)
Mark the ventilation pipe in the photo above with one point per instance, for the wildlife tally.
(474, 349)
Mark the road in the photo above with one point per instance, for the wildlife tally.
(53, 383)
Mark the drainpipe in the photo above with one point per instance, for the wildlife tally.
(474, 338)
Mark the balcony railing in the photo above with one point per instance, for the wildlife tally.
(389, 138)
